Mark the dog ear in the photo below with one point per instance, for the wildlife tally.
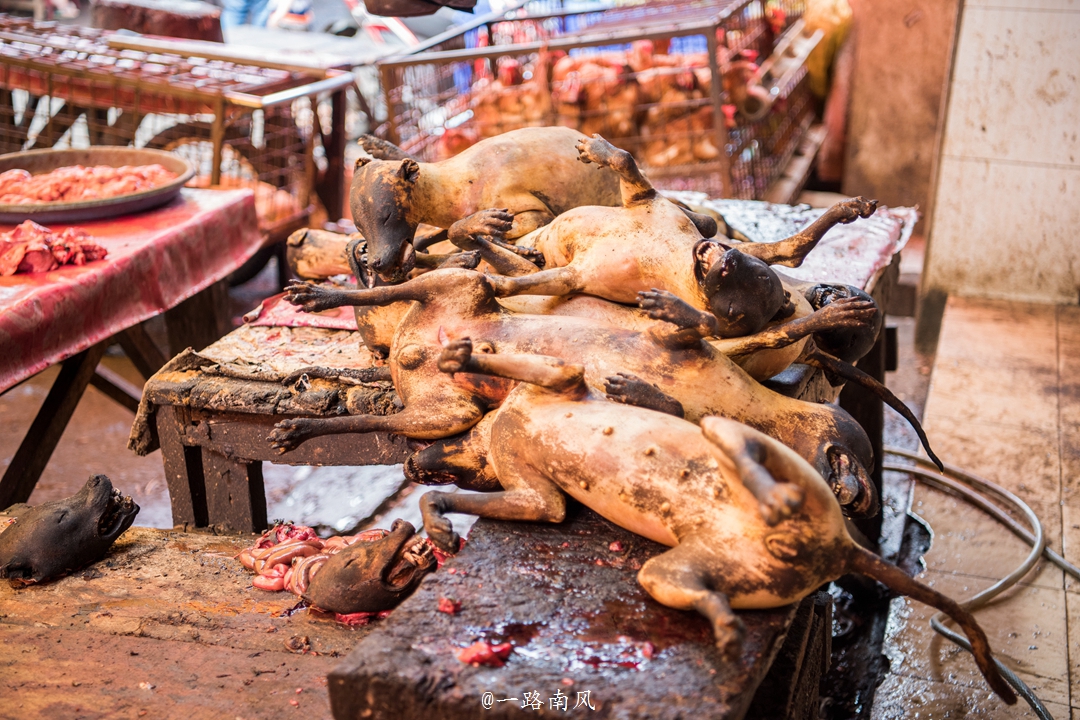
(361, 162)
(409, 170)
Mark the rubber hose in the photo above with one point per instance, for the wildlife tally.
(958, 486)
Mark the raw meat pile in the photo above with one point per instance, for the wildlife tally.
(31, 248)
(78, 183)
(287, 556)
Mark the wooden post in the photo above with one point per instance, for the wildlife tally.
(235, 497)
(45, 432)
(183, 469)
(332, 187)
(141, 350)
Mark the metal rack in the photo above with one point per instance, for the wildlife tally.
(240, 122)
(653, 78)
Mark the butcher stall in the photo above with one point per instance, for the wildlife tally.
(582, 411)
(561, 601)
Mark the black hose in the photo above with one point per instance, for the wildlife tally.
(974, 489)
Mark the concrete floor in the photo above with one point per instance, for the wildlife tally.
(1003, 403)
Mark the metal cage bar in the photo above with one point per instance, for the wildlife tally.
(675, 115)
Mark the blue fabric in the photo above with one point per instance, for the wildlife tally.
(237, 12)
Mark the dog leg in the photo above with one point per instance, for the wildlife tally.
(528, 220)
(636, 189)
(481, 232)
(632, 390)
(792, 251)
(529, 497)
(845, 313)
(381, 149)
(547, 372)
(665, 306)
(431, 420)
(556, 281)
(471, 288)
(758, 465)
(681, 578)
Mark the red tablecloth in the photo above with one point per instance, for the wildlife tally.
(156, 260)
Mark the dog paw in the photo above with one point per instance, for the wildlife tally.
(855, 208)
(288, 435)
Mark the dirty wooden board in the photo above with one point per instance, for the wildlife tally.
(579, 622)
(172, 610)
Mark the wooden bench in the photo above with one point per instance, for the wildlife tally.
(566, 597)
(210, 413)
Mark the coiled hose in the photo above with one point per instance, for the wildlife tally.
(982, 494)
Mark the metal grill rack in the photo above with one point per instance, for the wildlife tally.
(654, 78)
(240, 123)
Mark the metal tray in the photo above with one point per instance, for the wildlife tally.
(43, 161)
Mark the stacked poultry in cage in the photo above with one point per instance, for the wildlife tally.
(648, 98)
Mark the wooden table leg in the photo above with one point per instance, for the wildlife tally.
(183, 469)
(141, 350)
(235, 496)
(45, 432)
(199, 320)
(331, 185)
(117, 388)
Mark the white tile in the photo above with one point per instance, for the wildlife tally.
(1006, 231)
(1015, 92)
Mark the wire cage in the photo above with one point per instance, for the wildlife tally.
(666, 80)
(238, 124)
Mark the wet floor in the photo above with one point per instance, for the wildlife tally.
(1003, 404)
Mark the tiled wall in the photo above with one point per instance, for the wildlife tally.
(1006, 217)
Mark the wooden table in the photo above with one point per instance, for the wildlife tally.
(210, 413)
(171, 260)
(579, 622)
